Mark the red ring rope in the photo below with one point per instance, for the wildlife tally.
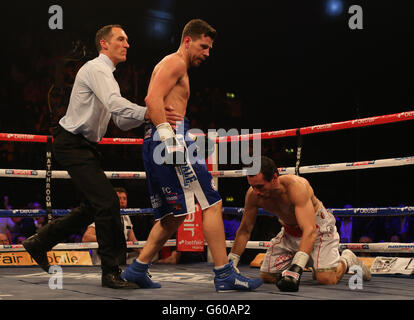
(349, 124)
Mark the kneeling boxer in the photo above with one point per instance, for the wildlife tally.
(308, 236)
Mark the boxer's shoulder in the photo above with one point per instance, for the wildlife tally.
(174, 61)
(294, 183)
(252, 200)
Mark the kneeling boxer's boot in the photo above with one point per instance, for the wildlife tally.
(351, 259)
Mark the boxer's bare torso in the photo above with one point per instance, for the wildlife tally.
(280, 201)
(169, 83)
(180, 92)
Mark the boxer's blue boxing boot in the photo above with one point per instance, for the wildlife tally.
(138, 273)
(227, 279)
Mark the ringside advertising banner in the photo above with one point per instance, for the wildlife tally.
(190, 234)
(62, 258)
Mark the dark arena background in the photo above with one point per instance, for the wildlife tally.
(275, 65)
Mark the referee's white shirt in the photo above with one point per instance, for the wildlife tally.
(95, 98)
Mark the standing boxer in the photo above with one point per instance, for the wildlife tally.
(173, 179)
(308, 236)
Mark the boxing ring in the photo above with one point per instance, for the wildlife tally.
(189, 282)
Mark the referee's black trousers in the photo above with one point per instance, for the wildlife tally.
(100, 202)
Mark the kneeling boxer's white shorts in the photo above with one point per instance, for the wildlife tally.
(325, 254)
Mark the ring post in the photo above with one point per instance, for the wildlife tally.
(298, 151)
(48, 179)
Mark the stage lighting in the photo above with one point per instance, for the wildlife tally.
(334, 7)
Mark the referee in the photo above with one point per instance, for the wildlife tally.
(94, 100)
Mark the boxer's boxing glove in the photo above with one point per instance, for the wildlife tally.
(174, 150)
(291, 277)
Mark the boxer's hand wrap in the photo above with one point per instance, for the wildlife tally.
(291, 277)
(235, 258)
(174, 151)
